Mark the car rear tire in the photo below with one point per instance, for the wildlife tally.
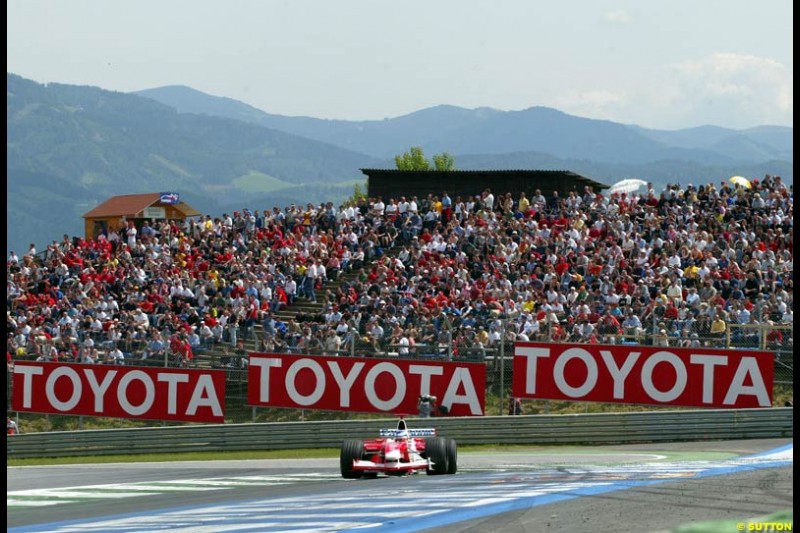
(452, 456)
(436, 451)
(352, 450)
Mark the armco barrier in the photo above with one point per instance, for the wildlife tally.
(604, 428)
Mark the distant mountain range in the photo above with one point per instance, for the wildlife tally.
(70, 147)
(484, 130)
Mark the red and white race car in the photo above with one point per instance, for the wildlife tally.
(397, 452)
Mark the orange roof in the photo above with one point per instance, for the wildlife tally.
(130, 205)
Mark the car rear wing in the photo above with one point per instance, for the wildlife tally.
(393, 433)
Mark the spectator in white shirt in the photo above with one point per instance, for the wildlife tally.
(116, 357)
(290, 287)
(402, 206)
(391, 208)
(403, 345)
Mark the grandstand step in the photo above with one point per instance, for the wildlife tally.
(301, 306)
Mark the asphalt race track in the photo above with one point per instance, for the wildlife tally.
(622, 488)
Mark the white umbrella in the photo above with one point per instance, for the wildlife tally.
(625, 186)
(741, 180)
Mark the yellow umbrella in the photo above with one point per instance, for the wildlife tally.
(741, 180)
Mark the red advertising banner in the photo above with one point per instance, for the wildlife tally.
(367, 385)
(697, 377)
(121, 392)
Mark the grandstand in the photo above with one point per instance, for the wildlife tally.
(431, 276)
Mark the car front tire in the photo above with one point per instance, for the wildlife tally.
(436, 451)
(352, 450)
(452, 455)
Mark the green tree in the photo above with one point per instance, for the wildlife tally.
(444, 161)
(358, 194)
(414, 159)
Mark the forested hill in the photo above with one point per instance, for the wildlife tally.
(79, 145)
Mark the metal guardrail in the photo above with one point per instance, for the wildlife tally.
(602, 428)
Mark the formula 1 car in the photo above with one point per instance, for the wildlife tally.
(399, 451)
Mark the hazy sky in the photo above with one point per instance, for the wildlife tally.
(657, 63)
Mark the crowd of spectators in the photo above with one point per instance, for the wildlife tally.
(680, 267)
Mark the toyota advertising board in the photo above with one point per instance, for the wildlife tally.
(696, 377)
(365, 385)
(178, 394)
